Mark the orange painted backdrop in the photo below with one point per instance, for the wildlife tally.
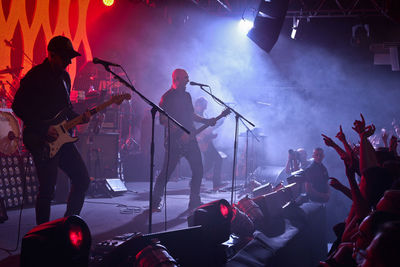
(29, 25)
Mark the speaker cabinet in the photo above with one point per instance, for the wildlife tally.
(100, 153)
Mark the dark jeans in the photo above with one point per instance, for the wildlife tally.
(193, 155)
(212, 159)
(70, 161)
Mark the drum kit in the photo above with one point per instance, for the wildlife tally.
(93, 87)
(10, 133)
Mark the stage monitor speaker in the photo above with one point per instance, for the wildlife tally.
(268, 23)
(186, 245)
(116, 186)
(100, 153)
(106, 188)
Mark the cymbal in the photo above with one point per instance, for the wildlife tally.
(10, 70)
(9, 133)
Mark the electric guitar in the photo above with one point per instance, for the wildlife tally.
(186, 138)
(63, 127)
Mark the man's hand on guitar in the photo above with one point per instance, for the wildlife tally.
(212, 121)
(52, 134)
(86, 116)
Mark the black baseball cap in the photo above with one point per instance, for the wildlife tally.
(62, 46)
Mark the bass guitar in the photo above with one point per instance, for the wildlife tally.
(184, 139)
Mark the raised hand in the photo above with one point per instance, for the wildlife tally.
(369, 130)
(328, 141)
(393, 144)
(359, 126)
(384, 136)
(340, 135)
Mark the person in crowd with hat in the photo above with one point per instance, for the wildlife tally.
(43, 95)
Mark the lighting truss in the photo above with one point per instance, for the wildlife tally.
(337, 8)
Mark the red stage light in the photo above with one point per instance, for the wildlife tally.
(76, 236)
(224, 210)
(108, 2)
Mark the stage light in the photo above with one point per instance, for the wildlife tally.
(76, 236)
(62, 242)
(215, 218)
(241, 224)
(244, 26)
(252, 210)
(155, 255)
(294, 28)
(108, 2)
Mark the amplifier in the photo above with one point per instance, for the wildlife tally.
(100, 153)
(13, 179)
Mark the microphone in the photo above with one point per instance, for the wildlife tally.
(104, 63)
(199, 84)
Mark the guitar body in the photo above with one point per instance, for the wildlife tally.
(63, 138)
(205, 138)
(45, 149)
(185, 139)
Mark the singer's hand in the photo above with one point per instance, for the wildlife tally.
(212, 121)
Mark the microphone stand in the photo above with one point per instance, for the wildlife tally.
(247, 151)
(237, 117)
(154, 109)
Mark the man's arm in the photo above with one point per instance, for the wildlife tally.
(210, 122)
(340, 187)
(314, 194)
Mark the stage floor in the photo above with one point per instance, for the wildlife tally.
(108, 217)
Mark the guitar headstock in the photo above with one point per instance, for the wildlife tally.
(226, 112)
(118, 99)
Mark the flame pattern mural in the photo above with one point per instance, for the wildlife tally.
(26, 27)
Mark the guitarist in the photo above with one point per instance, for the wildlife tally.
(43, 93)
(212, 159)
(178, 104)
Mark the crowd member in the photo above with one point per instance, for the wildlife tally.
(372, 204)
(296, 160)
(316, 178)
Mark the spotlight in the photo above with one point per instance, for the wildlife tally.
(244, 26)
(155, 255)
(108, 2)
(62, 242)
(215, 218)
(241, 224)
(252, 210)
(360, 35)
(295, 26)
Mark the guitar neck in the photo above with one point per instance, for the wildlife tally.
(78, 120)
(205, 126)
